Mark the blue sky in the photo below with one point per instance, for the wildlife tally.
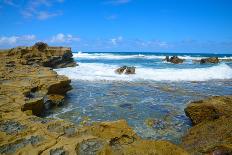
(119, 25)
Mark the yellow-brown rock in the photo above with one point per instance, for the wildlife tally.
(212, 130)
(210, 136)
(26, 87)
(209, 109)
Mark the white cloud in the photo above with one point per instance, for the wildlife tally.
(117, 40)
(36, 9)
(42, 15)
(14, 40)
(117, 2)
(62, 38)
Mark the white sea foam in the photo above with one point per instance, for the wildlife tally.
(98, 71)
(112, 56)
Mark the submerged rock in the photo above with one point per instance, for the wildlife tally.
(174, 59)
(125, 70)
(126, 105)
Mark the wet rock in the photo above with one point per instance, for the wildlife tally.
(61, 87)
(59, 151)
(209, 109)
(121, 69)
(34, 104)
(209, 60)
(18, 144)
(166, 59)
(130, 70)
(89, 147)
(11, 127)
(56, 100)
(125, 70)
(126, 105)
(174, 59)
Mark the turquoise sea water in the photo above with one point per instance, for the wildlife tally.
(152, 101)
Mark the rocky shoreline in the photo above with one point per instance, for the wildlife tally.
(28, 85)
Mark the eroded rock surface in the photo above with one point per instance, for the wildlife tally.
(212, 132)
(209, 109)
(43, 55)
(27, 87)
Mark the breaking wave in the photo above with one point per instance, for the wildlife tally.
(100, 71)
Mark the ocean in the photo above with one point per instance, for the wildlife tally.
(152, 100)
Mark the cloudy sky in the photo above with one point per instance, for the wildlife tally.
(119, 25)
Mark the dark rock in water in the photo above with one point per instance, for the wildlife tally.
(125, 70)
(121, 69)
(126, 105)
(130, 70)
(53, 101)
(166, 59)
(174, 59)
(209, 60)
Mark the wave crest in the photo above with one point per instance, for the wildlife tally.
(98, 71)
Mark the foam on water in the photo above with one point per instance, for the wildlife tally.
(100, 71)
(121, 57)
(112, 56)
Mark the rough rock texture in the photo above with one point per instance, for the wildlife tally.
(43, 55)
(125, 70)
(209, 60)
(174, 59)
(27, 88)
(212, 130)
(209, 109)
